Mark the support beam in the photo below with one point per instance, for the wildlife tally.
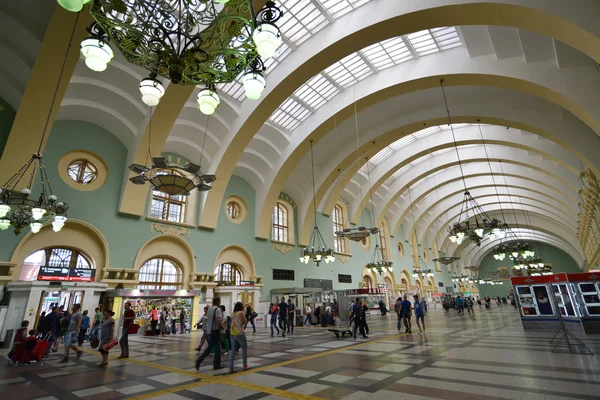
(29, 123)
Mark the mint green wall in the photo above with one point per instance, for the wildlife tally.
(125, 235)
(7, 116)
(560, 261)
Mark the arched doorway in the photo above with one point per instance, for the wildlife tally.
(235, 277)
(368, 282)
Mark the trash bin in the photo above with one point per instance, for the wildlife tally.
(8, 339)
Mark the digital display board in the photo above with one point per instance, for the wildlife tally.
(66, 274)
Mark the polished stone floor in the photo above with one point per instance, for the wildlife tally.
(484, 357)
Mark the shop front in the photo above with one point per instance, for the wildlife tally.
(144, 301)
(371, 296)
(246, 292)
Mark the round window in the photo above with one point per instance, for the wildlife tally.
(234, 210)
(82, 171)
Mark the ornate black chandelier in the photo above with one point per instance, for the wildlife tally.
(446, 260)
(379, 263)
(475, 224)
(317, 249)
(190, 42)
(422, 271)
(182, 183)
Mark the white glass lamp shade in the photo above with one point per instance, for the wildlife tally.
(496, 256)
(221, 1)
(73, 5)
(502, 256)
(453, 239)
(460, 236)
(254, 84)
(479, 232)
(35, 227)
(318, 257)
(37, 213)
(208, 101)
(267, 39)
(515, 254)
(4, 209)
(97, 53)
(4, 224)
(57, 226)
(152, 91)
(60, 219)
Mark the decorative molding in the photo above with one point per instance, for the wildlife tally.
(282, 248)
(172, 230)
(343, 259)
(286, 197)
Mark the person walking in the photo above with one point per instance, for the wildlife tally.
(128, 317)
(163, 321)
(273, 311)
(460, 305)
(250, 316)
(72, 332)
(202, 324)
(291, 320)
(226, 330)
(107, 334)
(420, 311)
(154, 320)
(182, 316)
(97, 318)
(283, 312)
(359, 321)
(398, 309)
(238, 335)
(406, 314)
(173, 321)
(307, 316)
(53, 327)
(85, 325)
(214, 323)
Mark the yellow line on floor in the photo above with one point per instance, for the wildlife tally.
(231, 379)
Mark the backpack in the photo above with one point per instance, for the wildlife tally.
(64, 322)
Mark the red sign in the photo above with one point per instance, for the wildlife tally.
(365, 291)
(529, 280)
(584, 277)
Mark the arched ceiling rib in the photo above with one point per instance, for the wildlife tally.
(246, 128)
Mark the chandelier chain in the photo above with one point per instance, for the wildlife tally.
(487, 157)
(312, 162)
(204, 139)
(453, 135)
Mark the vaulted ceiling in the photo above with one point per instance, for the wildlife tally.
(361, 78)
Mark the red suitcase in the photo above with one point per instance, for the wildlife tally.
(40, 349)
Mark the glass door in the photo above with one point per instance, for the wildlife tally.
(564, 299)
(590, 292)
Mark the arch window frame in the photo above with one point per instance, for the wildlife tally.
(368, 281)
(280, 223)
(157, 274)
(163, 211)
(228, 273)
(340, 245)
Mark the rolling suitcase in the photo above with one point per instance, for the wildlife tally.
(41, 347)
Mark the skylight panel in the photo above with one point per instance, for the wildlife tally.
(455, 126)
(401, 143)
(382, 155)
(316, 91)
(426, 132)
(349, 70)
(339, 8)
(282, 52)
(289, 114)
(301, 20)
(387, 53)
(446, 37)
(400, 172)
(423, 42)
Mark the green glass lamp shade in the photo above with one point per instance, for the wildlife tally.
(73, 5)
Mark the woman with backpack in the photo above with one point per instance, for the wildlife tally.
(238, 335)
(274, 312)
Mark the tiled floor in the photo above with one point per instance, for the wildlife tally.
(487, 356)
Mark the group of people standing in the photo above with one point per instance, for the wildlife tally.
(285, 314)
(164, 321)
(404, 309)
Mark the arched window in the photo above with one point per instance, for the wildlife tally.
(339, 244)
(160, 273)
(368, 281)
(168, 207)
(228, 275)
(383, 242)
(280, 223)
(53, 257)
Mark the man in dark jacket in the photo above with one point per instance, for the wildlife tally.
(359, 318)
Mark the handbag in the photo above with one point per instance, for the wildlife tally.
(110, 344)
(133, 329)
(253, 315)
(94, 341)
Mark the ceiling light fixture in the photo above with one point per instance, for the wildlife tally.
(190, 42)
(317, 249)
(17, 207)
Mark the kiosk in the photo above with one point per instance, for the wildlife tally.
(575, 296)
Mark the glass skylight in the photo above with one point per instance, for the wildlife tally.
(349, 70)
(339, 8)
(431, 41)
(387, 53)
(316, 91)
(301, 19)
(290, 114)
